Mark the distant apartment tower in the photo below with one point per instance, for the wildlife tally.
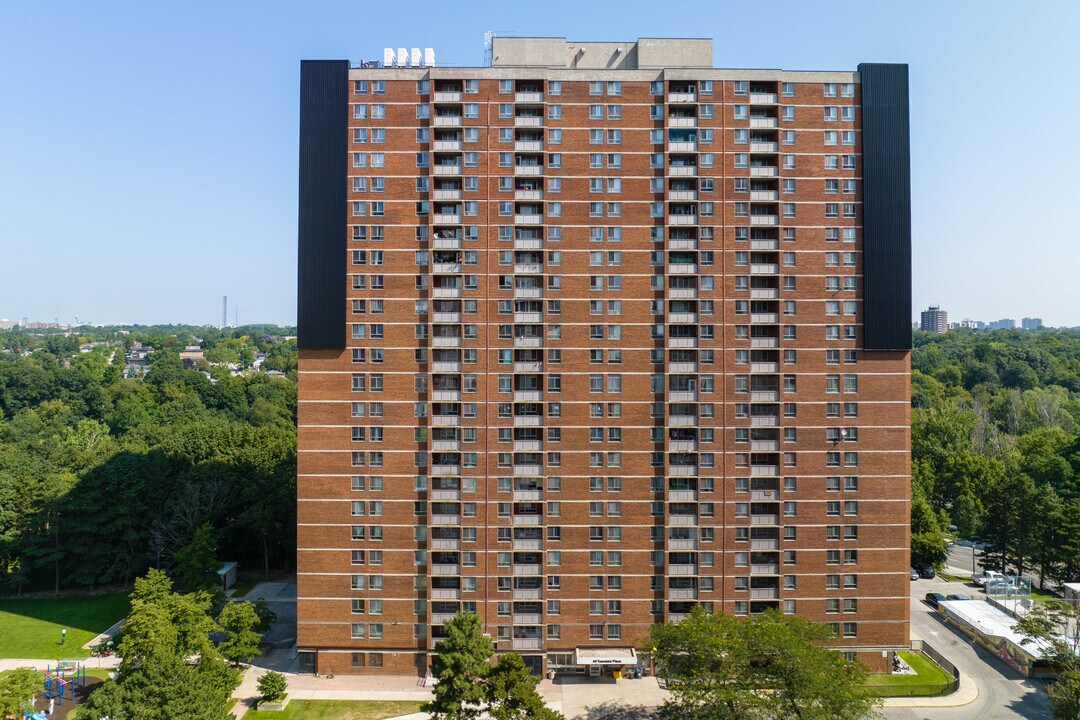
(934, 320)
(595, 335)
(1003, 324)
(1031, 323)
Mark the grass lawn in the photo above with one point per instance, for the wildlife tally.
(340, 710)
(1042, 595)
(31, 628)
(954, 578)
(929, 680)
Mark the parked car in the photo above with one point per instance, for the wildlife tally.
(987, 576)
(958, 596)
(914, 574)
(932, 599)
(926, 571)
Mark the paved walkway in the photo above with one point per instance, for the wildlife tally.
(12, 663)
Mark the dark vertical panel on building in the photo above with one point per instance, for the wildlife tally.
(886, 207)
(321, 279)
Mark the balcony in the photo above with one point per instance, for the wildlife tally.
(529, 268)
(764, 446)
(446, 494)
(764, 593)
(682, 470)
(762, 98)
(448, 243)
(765, 147)
(682, 569)
(768, 244)
(446, 170)
(447, 97)
(528, 292)
(765, 520)
(764, 268)
(765, 470)
(764, 196)
(528, 244)
(528, 194)
(682, 594)
(688, 219)
(527, 420)
(529, 367)
(765, 318)
(445, 341)
(527, 395)
(682, 97)
(680, 396)
(529, 121)
(682, 293)
(445, 445)
(681, 519)
(444, 570)
(682, 342)
(446, 219)
(765, 544)
(528, 445)
(682, 318)
(765, 122)
(530, 97)
(527, 544)
(449, 367)
(527, 496)
(445, 544)
(528, 594)
(529, 145)
(528, 342)
(446, 519)
(448, 145)
(682, 495)
(764, 420)
(528, 219)
(682, 269)
(682, 195)
(764, 171)
(765, 342)
(520, 170)
(681, 122)
(445, 594)
(450, 317)
(682, 170)
(764, 293)
(681, 445)
(682, 420)
(528, 570)
(446, 268)
(764, 367)
(528, 471)
(764, 220)
(528, 618)
(440, 618)
(765, 495)
(528, 643)
(682, 146)
(764, 396)
(446, 195)
(445, 420)
(686, 367)
(682, 544)
(447, 121)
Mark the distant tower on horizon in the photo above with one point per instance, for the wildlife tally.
(934, 320)
(224, 311)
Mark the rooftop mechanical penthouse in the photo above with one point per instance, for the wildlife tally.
(591, 336)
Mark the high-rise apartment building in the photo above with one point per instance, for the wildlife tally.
(934, 320)
(1031, 323)
(591, 336)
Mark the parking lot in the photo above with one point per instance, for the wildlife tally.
(1003, 692)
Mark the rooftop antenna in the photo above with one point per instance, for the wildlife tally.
(489, 37)
(224, 311)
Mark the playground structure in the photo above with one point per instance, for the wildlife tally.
(59, 683)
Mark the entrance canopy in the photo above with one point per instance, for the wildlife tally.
(605, 656)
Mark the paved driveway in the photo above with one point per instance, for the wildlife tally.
(1003, 692)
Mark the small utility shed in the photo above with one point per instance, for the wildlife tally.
(227, 573)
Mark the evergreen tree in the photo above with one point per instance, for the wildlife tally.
(512, 692)
(461, 668)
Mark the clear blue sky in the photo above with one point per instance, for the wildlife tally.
(148, 149)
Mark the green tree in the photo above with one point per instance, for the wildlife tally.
(197, 565)
(272, 686)
(512, 692)
(1056, 624)
(238, 621)
(719, 667)
(461, 668)
(17, 687)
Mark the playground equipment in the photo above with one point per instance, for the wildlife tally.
(59, 683)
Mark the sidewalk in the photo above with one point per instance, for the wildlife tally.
(13, 663)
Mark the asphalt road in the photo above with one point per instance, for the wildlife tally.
(962, 559)
(1003, 692)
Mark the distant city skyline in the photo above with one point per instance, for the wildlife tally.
(164, 175)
